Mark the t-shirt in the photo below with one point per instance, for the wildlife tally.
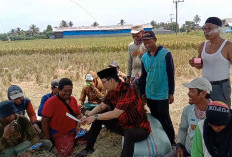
(126, 99)
(55, 109)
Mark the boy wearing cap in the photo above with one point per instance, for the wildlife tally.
(199, 90)
(213, 136)
(22, 103)
(121, 75)
(135, 51)
(216, 54)
(126, 117)
(54, 88)
(157, 81)
(15, 131)
(93, 89)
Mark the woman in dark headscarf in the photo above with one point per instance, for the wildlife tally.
(213, 136)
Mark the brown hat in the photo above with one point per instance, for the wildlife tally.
(114, 64)
(136, 28)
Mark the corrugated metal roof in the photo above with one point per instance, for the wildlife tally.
(86, 28)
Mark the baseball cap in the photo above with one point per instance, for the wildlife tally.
(218, 113)
(114, 64)
(14, 92)
(7, 108)
(136, 28)
(148, 35)
(200, 83)
(89, 77)
(55, 83)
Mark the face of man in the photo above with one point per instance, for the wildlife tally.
(55, 90)
(150, 44)
(211, 31)
(194, 96)
(66, 92)
(137, 36)
(217, 128)
(9, 119)
(107, 84)
(18, 100)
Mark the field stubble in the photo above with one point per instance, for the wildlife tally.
(33, 64)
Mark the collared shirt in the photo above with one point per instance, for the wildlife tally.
(126, 99)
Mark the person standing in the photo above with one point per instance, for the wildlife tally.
(157, 82)
(55, 124)
(216, 54)
(135, 51)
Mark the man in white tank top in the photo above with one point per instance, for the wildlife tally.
(216, 57)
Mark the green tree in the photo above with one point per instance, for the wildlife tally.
(70, 23)
(95, 24)
(197, 19)
(49, 28)
(154, 24)
(63, 23)
(34, 29)
(122, 22)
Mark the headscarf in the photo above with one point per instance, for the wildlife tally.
(218, 144)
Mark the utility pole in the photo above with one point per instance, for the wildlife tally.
(176, 2)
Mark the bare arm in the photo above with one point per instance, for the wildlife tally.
(45, 127)
(229, 52)
(97, 109)
(191, 62)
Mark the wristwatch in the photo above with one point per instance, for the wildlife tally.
(96, 116)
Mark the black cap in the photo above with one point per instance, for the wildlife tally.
(7, 108)
(148, 35)
(214, 20)
(109, 72)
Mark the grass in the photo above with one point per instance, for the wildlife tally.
(33, 64)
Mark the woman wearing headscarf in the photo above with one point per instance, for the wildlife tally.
(213, 136)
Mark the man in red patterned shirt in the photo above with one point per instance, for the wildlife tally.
(126, 116)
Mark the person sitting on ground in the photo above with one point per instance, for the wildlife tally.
(126, 116)
(93, 89)
(55, 124)
(22, 103)
(121, 75)
(213, 136)
(199, 98)
(54, 88)
(15, 133)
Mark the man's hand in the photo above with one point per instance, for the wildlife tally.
(36, 127)
(179, 152)
(9, 129)
(191, 62)
(171, 98)
(92, 84)
(78, 127)
(88, 120)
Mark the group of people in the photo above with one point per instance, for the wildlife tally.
(116, 101)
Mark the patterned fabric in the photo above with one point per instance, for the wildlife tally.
(125, 98)
(23, 130)
(156, 145)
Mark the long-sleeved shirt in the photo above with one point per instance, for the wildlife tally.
(27, 105)
(134, 58)
(23, 130)
(169, 72)
(187, 127)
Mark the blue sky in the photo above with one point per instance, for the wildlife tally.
(23, 13)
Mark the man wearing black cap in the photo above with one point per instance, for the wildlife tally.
(157, 81)
(15, 131)
(126, 116)
(216, 57)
